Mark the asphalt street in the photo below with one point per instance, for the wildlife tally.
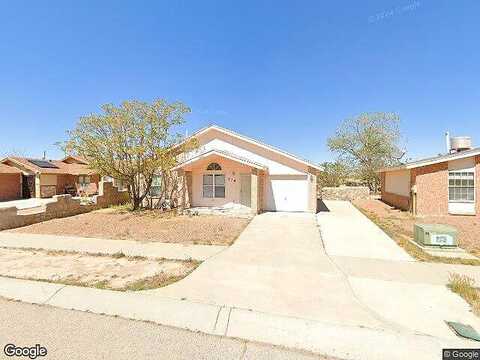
(68, 334)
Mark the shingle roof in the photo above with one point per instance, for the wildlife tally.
(62, 168)
(5, 169)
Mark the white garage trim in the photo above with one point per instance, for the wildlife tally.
(287, 193)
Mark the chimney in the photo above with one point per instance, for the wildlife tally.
(44, 155)
(448, 143)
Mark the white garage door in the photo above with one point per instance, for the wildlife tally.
(287, 193)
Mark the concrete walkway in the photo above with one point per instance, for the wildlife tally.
(109, 247)
(347, 232)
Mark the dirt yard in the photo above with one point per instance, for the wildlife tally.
(109, 272)
(468, 226)
(147, 226)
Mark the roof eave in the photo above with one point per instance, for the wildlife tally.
(256, 142)
(444, 158)
(214, 152)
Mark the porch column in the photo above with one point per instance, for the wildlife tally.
(188, 178)
(313, 188)
(254, 203)
(185, 193)
(38, 187)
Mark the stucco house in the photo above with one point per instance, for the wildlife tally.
(10, 183)
(441, 185)
(229, 169)
(46, 178)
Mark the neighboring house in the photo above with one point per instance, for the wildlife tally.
(10, 183)
(46, 178)
(442, 185)
(229, 169)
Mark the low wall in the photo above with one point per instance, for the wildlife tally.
(348, 193)
(395, 200)
(63, 206)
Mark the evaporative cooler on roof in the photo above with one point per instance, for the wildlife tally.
(43, 164)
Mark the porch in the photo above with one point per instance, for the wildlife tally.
(217, 182)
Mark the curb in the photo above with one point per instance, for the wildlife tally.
(345, 342)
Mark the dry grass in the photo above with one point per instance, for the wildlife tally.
(399, 226)
(148, 226)
(117, 272)
(465, 287)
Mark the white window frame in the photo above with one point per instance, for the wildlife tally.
(461, 175)
(213, 185)
(156, 186)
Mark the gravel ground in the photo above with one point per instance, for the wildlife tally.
(78, 335)
(97, 271)
(468, 226)
(148, 226)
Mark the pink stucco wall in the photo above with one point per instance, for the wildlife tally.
(276, 163)
(230, 169)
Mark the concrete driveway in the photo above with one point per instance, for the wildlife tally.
(347, 232)
(278, 266)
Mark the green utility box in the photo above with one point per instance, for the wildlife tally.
(435, 235)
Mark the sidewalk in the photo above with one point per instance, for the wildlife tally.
(314, 336)
(109, 247)
(404, 271)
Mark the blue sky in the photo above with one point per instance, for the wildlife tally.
(285, 72)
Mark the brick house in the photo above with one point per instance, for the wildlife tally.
(46, 178)
(10, 183)
(442, 185)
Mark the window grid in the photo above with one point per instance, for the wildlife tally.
(156, 186)
(213, 186)
(461, 186)
(84, 180)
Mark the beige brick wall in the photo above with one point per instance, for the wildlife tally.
(64, 206)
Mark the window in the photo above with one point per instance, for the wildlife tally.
(84, 180)
(156, 187)
(213, 186)
(214, 166)
(119, 184)
(461, 186)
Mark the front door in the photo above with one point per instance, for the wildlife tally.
(28, 186)
(245, 189)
